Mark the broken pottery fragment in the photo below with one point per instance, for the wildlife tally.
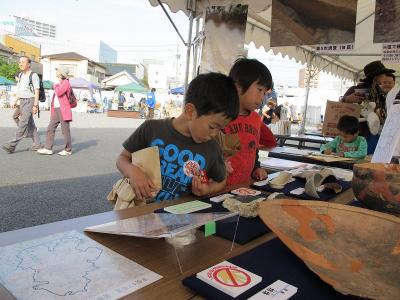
(355, 250)
(315, 180)
(280, 181)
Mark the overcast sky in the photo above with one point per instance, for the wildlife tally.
(132, 27)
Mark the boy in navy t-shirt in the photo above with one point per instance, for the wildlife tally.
(186, 145)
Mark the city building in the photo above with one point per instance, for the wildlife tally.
(26, 26)
(120, 78)
(134, 69)
(156, 74)
(79, 66)
(107, 54)
(6, 54)
(21, 47)
(21, 26)
(162, 74)
(303, 77)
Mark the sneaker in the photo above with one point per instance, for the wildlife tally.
(45, 151)
(36, 148)
(8, 148)
(64, 153)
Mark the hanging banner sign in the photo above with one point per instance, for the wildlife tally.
(225, 28)
(387, 21)
(334, 48)
(312, 22)
(391, 53)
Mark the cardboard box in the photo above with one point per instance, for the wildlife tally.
(334, 111)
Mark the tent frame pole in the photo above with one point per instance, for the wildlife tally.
(172, 22)
(188, 48)
(310, 75)
(196, 48)
(191, 6)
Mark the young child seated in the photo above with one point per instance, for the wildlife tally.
(348, 143)
(186, 145)
(252, 80)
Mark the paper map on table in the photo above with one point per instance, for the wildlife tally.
(159, 225)
(69, 265)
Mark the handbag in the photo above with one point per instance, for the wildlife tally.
(72, 99)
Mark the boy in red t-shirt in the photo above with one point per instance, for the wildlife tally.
(252, 80)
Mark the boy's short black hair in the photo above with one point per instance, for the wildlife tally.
(348, 124)
(213, 93)
(245, 71)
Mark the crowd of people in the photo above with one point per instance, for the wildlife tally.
(207, 111)
(145, 106)
(241, 104)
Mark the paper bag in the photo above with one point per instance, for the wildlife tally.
(229, 143)
(334, 111)
(122, 194)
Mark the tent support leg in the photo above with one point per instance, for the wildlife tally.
(310, 75)
(188, 48)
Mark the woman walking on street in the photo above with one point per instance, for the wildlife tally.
(60, 113)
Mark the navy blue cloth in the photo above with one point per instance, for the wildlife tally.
(248, 228)
(272, 261)
(300, 183)
(358, 203)
(372, 142)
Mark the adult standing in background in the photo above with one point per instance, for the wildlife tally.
(60, 113)
(369, 90)
(15, 103)
(151, 103)
(121, 100)
(271, 95)
(268, 111)
(28, 97)
(142, 106)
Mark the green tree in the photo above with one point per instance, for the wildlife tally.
(8, 70)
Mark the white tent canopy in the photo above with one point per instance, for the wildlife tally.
(347, 65)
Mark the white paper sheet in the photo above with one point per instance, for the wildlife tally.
(388, 143)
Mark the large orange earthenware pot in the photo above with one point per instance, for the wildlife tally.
(378, 186)
(355, 250)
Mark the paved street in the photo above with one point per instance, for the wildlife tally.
(37, 189)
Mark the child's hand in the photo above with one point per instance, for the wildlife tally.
(328, 151)
(228, 167)
(141, 184)
(259, 174)
(199, 188)
(341, 154)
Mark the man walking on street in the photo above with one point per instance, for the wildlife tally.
(28, 97)
(151, 103)
(15, 104)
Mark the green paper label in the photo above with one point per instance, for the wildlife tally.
(209, 228)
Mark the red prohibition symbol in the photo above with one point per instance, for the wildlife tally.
(231, 277)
